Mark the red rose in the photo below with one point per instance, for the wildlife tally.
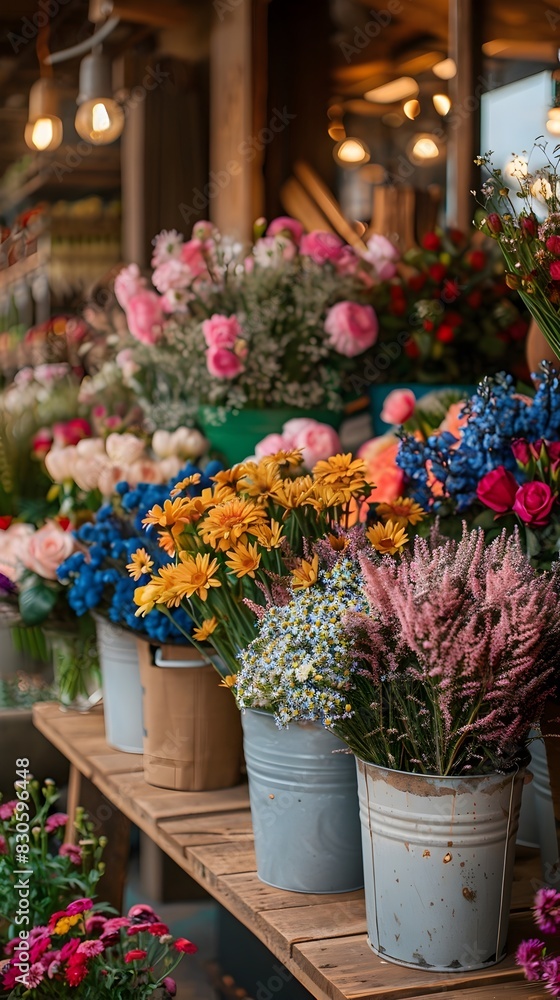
(494, 223)
(534, 502)
(476, 260)
(456, 236)
(5, 521)
(555, 270)
(553, 244)
(417, 282)
(431, 241)
(498, 490)
(437, 272)
(529, 224)
(474, 299)
(451, 291)
(553, 450)
(445, 334)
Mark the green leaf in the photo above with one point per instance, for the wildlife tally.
(36, 601)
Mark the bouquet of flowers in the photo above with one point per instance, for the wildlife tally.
(532, 955)
(531, 248)
(454, 658)
(60, 871)
(448, 315)
(496, 466)
(98, 575)
(90, 955)
(235, 547)
(282, 325)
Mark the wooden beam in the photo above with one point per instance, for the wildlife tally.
(464, 120)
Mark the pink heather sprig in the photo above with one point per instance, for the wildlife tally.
(459, 651)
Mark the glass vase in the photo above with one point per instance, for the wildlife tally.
(76, 670)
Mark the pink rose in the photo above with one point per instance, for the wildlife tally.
(271, 444)
(534, 502)
(497, 490)
(316, 441)
(172, 274)
(221, 331)
(13, 543)
(223, 363)
(321, 246)
(555, 270)
(128, 283)
(286, 226)
(553, 451)
(59, 463)
(194, 256)
(382, 254)
(399, 406)
(352, 328)
(144, 315)
(521, 451)
(46, 549)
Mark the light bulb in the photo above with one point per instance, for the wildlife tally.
(424, 148)
(44, 133)
(411, 109)
(442, 104)
(99, 120)
(445, 70)
(351, 152)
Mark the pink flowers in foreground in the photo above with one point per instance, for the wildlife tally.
(531, 954)
(351, 327)
(225, 346)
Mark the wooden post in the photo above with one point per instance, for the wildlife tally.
(235, 189)
(464, 125)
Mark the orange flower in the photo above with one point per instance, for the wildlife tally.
(387, 538)
(244, 560)
(379, 456)
(173, 512)
(185, 483)
(195, 575)
(208, 626)
(141, 563)
(402, 511)
(305, 575)
(227, 524)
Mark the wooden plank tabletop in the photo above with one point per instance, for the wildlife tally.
(320, 939)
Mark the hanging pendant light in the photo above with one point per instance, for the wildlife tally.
(99, 118)
(43, 130)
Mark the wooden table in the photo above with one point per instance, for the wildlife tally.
(321, 940)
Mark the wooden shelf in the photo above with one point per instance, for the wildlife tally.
(320, 939)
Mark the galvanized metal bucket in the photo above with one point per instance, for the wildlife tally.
(122, 690)
(304, 806)
(544, 813)
(438, 865)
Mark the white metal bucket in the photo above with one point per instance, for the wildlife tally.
(544, 813)
(438, 865)
(122, 690)
(304, 806)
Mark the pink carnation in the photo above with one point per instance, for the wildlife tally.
(3, 845)
(321, 246)
(128, 282)
(351, 327)
(90, 948)
(71, 851)
(172, 274)
(223, 363)
(144, 315)
(399, 406)
(7, 809)
(221, 331)
(555, 270)
(55, 821)
(286, 226)
(79, 906)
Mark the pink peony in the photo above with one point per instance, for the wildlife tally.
(128, 282)
(352, 328)
(167, 246)
(399, 406)
(144, 315)
(321, 246)
(382, 254)
(271, 444)
(221, 331)
(534, 502)
(315, 440)
(497, 490)
(286, 226)
(172, 274)
(223, 363)
(46, 549)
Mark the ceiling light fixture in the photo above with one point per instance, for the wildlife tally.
(423, 149)
(397, 90)
(99, 118)
(412, 109)
(445, 70)
(43, 130)
(442, 104)
(351, 152)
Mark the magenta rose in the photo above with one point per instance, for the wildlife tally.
(399, 406)
(316, 441)
(352, 328)
(128, 283)
(223, 363)
(286, 226)
(221, 331)
(321, 247)
(144, 315)
(553, 244)
(534, 502)
(553, 451)
(555, 270)
(498, 489)
(521, 451)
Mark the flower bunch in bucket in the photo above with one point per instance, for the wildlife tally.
(89, 955)
(61, 870)
(530, 244)
(496, 466)
(237, 546)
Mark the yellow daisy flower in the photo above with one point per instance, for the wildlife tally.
(305, 575)
(148, 595)
(244, 560)
(168, 539)
(260, 479)
(63, 925)
(229, 681)
(387, 538)
(291, 458)
(195, 575)
(173, 512)
(141, 563)
(291, 493)
(341, 472)
(268, 535)
(185, 483)
(402, 511)
(226, 525)
(208, 626)
(228, 477)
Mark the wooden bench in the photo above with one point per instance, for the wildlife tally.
(321, 940)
